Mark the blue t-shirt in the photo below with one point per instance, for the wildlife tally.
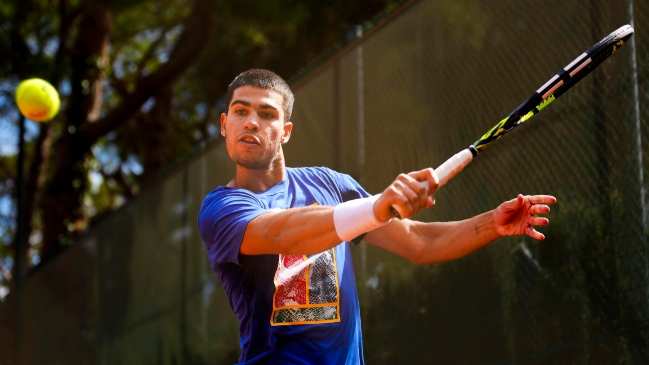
(292, 309)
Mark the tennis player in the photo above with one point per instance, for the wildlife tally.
(279, 238)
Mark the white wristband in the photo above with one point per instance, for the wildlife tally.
(355, 217)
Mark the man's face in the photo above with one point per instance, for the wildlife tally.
(254, 127)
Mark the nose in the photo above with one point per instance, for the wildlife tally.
(252, 122)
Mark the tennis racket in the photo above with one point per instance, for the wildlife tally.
(546, 94)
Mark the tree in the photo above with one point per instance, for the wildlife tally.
(57, 173)
(141, 83)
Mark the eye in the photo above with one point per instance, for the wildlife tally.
(240, 112)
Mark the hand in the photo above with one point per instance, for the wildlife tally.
(517, 216)
(408, 194)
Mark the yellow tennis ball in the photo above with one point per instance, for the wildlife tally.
(37, 100)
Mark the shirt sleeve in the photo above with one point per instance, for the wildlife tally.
(222, 222)
(349, 188)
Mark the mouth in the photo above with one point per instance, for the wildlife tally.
(249, 139)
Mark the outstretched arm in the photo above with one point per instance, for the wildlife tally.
(426, 243)
(312, 229)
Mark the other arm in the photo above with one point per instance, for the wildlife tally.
(425, 243)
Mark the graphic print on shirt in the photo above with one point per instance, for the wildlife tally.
(306, 289)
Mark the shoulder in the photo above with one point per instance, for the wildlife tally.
(227, 208)
(225, 194)
(336, 183)
(224, 198)
(321, 173)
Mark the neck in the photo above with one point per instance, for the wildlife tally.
(261, 179)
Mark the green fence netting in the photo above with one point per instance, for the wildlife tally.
(138, 289)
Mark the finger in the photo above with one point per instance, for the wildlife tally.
(429, 176)
(382, 207)
(534, 233)
(400, 201)
(399, 207)
(539, 209)
(402, 208)
(412, 191)
(415, 191)
(542, 199)
(513, 204)
(539, 221)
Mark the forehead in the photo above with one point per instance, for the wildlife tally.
(258, 96)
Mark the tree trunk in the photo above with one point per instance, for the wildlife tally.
(35, 173)
(155, 129)
(66, 175)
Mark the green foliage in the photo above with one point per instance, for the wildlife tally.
(271, 34)
(40, 40)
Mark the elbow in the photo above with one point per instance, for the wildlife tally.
(416, 260)
(415, 257)
(421, 256)
(420, 248)
(421, 260)
(424, 253)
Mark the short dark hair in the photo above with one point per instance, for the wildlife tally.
(263, 79)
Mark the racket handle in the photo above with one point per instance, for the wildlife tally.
(453, 166)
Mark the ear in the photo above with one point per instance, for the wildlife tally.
(224, 119)
(288, 127)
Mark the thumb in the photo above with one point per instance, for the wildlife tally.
(513, 204)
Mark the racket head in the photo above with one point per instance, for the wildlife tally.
(557, 85)
(592, 58)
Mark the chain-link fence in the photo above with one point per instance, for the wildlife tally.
(138, 288)
(426, 86)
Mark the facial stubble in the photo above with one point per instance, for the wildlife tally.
(251, 160)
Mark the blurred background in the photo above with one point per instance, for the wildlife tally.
(111, 270)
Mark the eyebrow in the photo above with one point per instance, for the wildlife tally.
(248, 104)
(245, 103)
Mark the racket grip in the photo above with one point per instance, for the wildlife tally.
(453, 166)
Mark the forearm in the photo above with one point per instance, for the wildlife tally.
(439, 242)
(299, 231)
(426, 243)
